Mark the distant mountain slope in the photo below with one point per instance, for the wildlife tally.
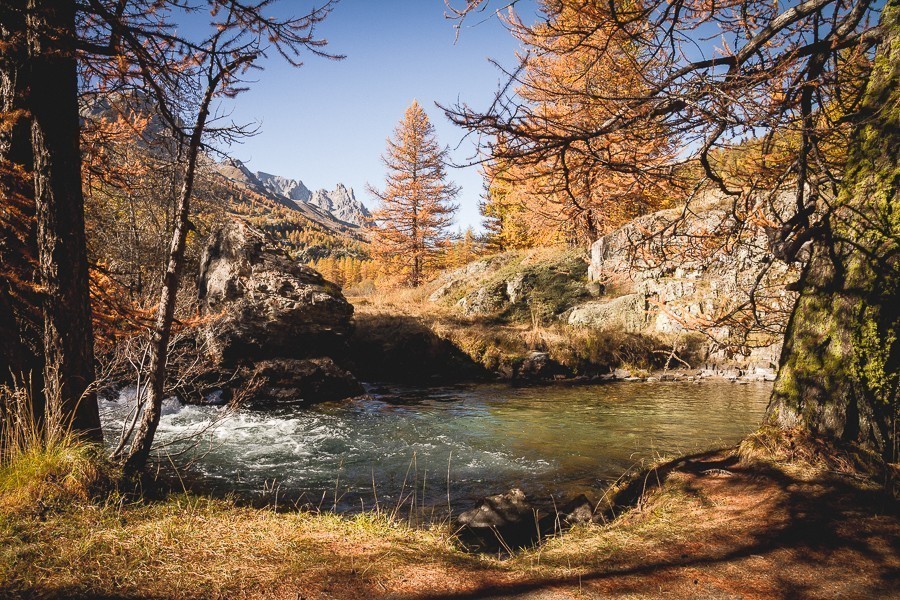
(309, 230)
(339, 203)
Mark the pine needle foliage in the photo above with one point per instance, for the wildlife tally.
(411, 227)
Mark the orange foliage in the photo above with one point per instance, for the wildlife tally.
(411, 226)
(577, 69)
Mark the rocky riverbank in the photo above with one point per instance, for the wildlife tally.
(275, 332)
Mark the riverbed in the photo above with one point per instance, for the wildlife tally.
(448, 445)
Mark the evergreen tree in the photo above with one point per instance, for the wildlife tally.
(411, 226)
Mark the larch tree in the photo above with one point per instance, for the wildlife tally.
(816, 80)
(201, 71)
(115, 47)
(59, 207)
(21, 344)
(412, 224)
(573, 68)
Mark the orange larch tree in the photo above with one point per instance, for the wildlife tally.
(574, 69)
(412, 224)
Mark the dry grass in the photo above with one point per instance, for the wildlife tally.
(752, 527)
(43, 465)
(191, 546)
(498, 345)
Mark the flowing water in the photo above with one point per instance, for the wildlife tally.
(550, 441)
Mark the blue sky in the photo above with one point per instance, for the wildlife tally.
(327, 122)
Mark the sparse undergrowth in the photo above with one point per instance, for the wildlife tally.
(44, 466)
(403, 320)
(536, 289)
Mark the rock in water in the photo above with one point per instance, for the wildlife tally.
(538, 366)
(504, 521)
(269, 305)
(274, 324)
(290, 381)
(498, 511)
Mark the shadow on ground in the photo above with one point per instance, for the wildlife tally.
(401, 349)
(753, 531)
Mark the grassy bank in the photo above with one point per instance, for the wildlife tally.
(391, 325)
(755, 523)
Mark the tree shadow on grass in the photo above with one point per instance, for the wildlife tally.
(807, 538)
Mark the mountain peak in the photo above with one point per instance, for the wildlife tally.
(342, 203)
(293, 189)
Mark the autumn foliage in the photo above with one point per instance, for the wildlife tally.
(411, 226)
(575, 67)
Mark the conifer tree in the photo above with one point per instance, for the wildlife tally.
(411, 226)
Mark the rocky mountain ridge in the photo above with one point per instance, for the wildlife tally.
(341, 202)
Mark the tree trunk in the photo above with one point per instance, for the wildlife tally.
(159, 343)
(53, 100)
(838, 376)
(20, 319)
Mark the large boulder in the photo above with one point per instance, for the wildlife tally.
(273, 325)
(265, 305)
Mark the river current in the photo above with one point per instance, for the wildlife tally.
(484, 438)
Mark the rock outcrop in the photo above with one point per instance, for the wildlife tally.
(291, 381)
(272, 321)
(539, 283)
(693, 279)
(270, 305)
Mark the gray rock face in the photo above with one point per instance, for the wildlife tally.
(269, 305)
(342, 203)
(282, 186)
(485, 300)
(692, 280)
(628, 313)
(515, 283)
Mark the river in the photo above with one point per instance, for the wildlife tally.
(550, 441)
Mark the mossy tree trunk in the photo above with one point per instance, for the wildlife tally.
(838, 376)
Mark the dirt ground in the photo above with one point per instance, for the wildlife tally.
(729, 530)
